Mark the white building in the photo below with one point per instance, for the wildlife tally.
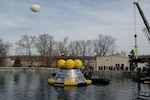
(9, 62)
(112, 63)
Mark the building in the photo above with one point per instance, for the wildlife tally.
(112, 63)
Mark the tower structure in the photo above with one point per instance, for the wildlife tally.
(136, 47)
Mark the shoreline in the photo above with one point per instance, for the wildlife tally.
(28, 69)
(54, 70)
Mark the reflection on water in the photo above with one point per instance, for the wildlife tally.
(33, 86)
(69, 93)
(142, 92)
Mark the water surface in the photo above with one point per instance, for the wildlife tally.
(33, 86)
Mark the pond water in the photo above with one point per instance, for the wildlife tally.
(33, 86)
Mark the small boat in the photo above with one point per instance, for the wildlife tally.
(100, 81)
(88, 74)
(147, 82)
(96, 80)
(53, 74)
(142, 80)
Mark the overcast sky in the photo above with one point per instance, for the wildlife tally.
(76, 19)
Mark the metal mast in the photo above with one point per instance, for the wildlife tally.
(144, 19)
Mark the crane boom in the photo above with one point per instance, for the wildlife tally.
(143, 16)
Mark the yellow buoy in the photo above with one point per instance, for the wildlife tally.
(69, 64)
(61, 63)
(78, 63)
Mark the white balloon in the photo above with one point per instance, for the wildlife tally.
(35, 8)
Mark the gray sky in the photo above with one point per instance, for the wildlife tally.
(76, 19)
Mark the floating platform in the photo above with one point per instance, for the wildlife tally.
(72, 77)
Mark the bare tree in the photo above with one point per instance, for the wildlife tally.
(90, 48)
(26, 44)
(45, 45)
(4, 48)
(42, 44)
(86, 48)
(74, 48)
(104, 44)
(51, 46)
(62, 46)
(81, 48)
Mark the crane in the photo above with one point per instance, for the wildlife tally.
(147, 29)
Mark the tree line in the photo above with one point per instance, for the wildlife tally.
(46, 46)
